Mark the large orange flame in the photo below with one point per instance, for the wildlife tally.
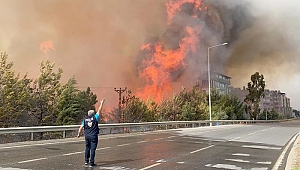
(174, 6)
(46, 46)
(159, 63)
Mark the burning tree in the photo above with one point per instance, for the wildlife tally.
(256, 90)
(179, 57)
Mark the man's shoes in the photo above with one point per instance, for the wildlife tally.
(93, 165)
(86, 163)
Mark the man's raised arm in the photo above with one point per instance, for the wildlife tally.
(100, 107)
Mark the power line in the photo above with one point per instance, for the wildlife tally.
(93, 87)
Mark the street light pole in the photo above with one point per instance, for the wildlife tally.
(208, 70)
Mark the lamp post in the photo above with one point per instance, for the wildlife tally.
(208, 70)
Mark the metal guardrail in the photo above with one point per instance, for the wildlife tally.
(35, 129)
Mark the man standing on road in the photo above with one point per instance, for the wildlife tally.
(91, 131)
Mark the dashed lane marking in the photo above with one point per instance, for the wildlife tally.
(202, 149)
(32, 160)
(171, 137)
(264, 163)
(260, 147)
(103, 148)
(161, 160)
(151, 166)
(74, 153)
(158, 139)
(237, 160)
(125, 144)
(240, 154)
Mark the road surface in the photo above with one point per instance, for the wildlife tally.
(237, 147)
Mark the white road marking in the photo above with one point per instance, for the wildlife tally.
(74, 153)
(280, 158)
(171, 137)
(12, 168)
(237, 160)
(252, 133)
(224, 166)
(161, 160)
(32, 160)
(159, 139)
(125, 144)
(66, 154)
(142, 141)
(38, 144)
(234, 139)
(151, 166)
(180, 162)
(191, 138)
(103, 148)
(233, 167)
(218, 140)
(260, 147)
(240, 154)
(237, 138)
(114, 168)
(202, 149)
(264, 163)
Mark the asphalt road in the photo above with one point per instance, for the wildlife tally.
(237, 147)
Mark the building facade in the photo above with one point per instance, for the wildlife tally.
(218, 81)
(273, 99)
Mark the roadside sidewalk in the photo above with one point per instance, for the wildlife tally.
(293, 162)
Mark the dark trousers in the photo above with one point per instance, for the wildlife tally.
(91, 143)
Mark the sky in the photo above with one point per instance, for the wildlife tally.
(100, 42)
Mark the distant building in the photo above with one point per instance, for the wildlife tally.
(218, 81)
(274, 99)
(240, 93)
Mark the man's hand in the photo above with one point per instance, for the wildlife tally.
(102, 101)
(79, 131)
(100, 107)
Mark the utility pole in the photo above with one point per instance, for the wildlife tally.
(120, 91)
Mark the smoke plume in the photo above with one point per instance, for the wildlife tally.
(269, 45)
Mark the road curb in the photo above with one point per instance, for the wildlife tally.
(293, 161)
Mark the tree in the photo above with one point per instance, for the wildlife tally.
(296, 112)
(87, 100)
(14, 94)
(218, 105)
(136, 111)
(68, 105)
(186, 105)
(256, 90)
(233, 107)
(46, 88)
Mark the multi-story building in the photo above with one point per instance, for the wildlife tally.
(240, 93)
(273, 99)
(218, 81)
